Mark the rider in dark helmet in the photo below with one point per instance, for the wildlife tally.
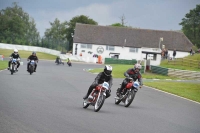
(32, 57)
(133, 73)
(100, 78)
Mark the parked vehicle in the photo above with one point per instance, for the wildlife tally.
(128, 93)
(97, 97)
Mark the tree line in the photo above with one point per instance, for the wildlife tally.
(17, 27)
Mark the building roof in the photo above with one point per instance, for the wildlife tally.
(130, 37)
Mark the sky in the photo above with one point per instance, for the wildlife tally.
(143, 14)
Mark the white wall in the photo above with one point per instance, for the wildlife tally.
(124, 52)
(29, 48)
(46, 50)
(179, 54)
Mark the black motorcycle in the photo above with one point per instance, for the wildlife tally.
(31, 67)
(13, 66)
(128, 93)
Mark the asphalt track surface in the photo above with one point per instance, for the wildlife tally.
(50, 101)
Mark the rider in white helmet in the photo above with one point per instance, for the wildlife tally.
(14, 55)
(133, 73)
(100, 78)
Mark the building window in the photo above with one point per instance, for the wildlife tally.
(87, 46)
(110, 48)
(133, 50)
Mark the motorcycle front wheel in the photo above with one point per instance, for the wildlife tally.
(13, 69)
(117, 100)
(99, 102)
(85, 104)
(31, 69)
(129, 98)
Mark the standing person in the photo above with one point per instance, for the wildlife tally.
(166, 54)
(191, 51)
(163, 53)
(174, 53)
(32, 57)
(14, 55)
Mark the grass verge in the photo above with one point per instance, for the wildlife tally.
(186, 90)
(3, 65)
(118, 72)
(26, 54)
(195, 57)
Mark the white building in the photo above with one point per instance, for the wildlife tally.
(127, 43)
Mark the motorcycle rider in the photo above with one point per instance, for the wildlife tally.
(133, 73)
(58, 60)
(100, 78)
(14, 55)
(68, 62)
(32, 57)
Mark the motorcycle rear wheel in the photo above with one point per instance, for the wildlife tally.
(129, 99)
(99, 102)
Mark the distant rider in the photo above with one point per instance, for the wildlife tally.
(32, 57)
(133, 73)
(100, 78)
(14, 55)
(58, 60)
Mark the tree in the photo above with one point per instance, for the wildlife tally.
(56, 36)
(16, 27)
(191, 25)
(72, 23)
(117, 25)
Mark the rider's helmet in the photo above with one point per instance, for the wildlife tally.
(34, 53)
(137, 67)
(15, 51)
(107, 70)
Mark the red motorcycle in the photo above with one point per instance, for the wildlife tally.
(128, 93)
(97, 97)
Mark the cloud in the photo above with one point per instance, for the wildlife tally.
(100, 13)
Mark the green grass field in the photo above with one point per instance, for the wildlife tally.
(3, 65)
(164, 63)
(26, 54)
(118, 72)
(187, 90)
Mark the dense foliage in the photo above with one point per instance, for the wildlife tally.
(191, 25)
(17, 27)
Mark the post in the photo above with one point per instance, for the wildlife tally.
(161, 39)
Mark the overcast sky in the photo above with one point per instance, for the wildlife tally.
(145, 14)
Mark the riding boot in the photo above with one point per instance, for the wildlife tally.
(35, 68)
(89, 91)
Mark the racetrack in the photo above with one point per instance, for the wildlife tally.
(50, 101)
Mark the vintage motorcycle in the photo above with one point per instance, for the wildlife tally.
(59, 61)
(128, 93)
(31, 67)
(97, 97)
(13, 65)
